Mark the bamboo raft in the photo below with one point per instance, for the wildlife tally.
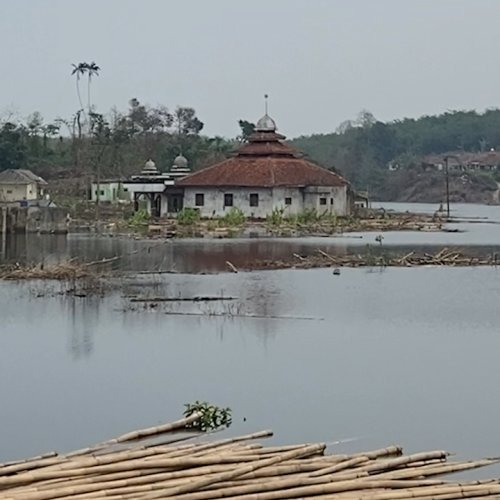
(184, 466)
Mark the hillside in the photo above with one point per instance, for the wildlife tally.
(389, 160)
(364, 149)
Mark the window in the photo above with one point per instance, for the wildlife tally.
(254, 199)
(228, 200)
(331, 201)
(102, 192)
(9, 191)
(199, 199)
(288, 201)
(322, 201)
(125, 189)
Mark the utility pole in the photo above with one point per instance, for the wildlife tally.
(447, 187)
(4, 230)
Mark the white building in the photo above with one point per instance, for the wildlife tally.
(157, 190)
(20, 185)
(109, 191)
(266, 174)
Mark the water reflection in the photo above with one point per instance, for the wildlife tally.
(390, 357)
(84, 316)
(210, 256)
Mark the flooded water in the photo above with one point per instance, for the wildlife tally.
(404, 356)
(479, 227)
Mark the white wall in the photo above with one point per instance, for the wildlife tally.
(110, 191)
(269, 199)
(336, 199)
(18, 192)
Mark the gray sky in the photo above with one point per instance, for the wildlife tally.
(321, 61)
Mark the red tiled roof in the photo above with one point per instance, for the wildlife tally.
(264, 161)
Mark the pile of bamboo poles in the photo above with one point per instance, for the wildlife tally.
(186, 467)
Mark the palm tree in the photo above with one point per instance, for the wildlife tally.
(89, 69)
(79, 70)
(92, 70)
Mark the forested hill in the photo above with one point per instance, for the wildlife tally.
(118, 144)
(362, 150)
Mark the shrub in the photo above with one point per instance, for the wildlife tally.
(188, 216)
(139, 218)
(308, 216)
(234, 217)
(212, 417)
(275, 218)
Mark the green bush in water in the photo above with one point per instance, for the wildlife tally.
(211, 416)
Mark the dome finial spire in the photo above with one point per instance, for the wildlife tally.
(266, 123)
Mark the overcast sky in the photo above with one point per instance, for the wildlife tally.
(321, 61)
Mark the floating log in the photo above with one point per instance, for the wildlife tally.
(204, 298)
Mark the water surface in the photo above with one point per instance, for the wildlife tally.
(373, 357)
(407, 356)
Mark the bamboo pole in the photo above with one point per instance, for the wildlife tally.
(127, 468)
(196, 485)
(346, 464)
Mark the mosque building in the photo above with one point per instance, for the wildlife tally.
(266, 174)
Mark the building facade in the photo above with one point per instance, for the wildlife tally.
(157, 191)
(19, 185)
(110, 191)
(264, 175)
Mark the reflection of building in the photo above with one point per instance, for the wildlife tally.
(20, 185)
(264, 175)
(157, 190)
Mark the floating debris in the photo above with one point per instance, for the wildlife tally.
(445, 257)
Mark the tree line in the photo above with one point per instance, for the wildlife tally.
(117, 144)
(362, 149)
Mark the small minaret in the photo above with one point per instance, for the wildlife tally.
(180, 168)
(149, 168)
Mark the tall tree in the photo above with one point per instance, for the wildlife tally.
(12, 147)
(92, 70)
(78, 71)
(247, 129)
(186, 122)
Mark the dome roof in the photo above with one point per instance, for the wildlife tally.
(180, 162)
(266, 124)
(150, 167)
